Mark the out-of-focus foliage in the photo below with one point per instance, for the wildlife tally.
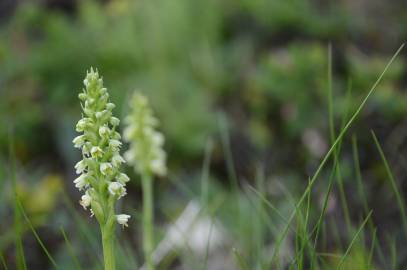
(190, 57)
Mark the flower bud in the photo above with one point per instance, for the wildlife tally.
(110, 106)
(122, 178)
(114, 121)
(82, 96)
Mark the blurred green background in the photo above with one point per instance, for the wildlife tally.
(248, 78)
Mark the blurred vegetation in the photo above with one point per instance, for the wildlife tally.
(255, 71)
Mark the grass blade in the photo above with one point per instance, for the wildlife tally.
(70, 249)
(242, 264)
(3, 261)
(37, 236)
(353, 241)
(18, 229)
(329, 153)
(399, 198)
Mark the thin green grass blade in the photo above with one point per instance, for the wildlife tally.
(205, 264)
(270, 205)
(205, 192)
(226, 146)
(370, 257)
(264, 215)
(239, 260)
(355, 237)
(205, 173)
(329, 153)
(51, 259)
(225, 138)
(331, 117)
(335, 233)
(258, 226)
(361, 189)
(304, 238)
(70, 249)
(18, 228)
(324, 207)
(359, 182)
(400, 200)
(3, 261)
(393, 252)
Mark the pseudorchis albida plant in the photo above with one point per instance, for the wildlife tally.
(100, 175)
(147, 156)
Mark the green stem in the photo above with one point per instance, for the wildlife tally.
(148, 220)
(108, 246)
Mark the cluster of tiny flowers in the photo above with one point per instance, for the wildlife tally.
(146, 143)
(99, 170)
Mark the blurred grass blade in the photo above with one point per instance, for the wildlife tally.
(225, 138)
(340, 264)
(337, 168)
(373, 244)
(399, 198)
(359, 182)
(70, 249)
(240, 261)
(329, 153)
(3, 261)
(37, 236)
(205, 173)
(18, 229)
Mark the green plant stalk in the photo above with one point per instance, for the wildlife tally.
(107, 226)
(148, 239)
(108, 246)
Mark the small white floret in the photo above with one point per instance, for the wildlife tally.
(115, 144)
(80, 182)
(117, 159)
(80, 167)
(96, 152)
(122, 219)
(117, 189)
(114, 121)
(85, 200)
(104, 131)
(106, 168)
(123, 178)
(79, 141)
